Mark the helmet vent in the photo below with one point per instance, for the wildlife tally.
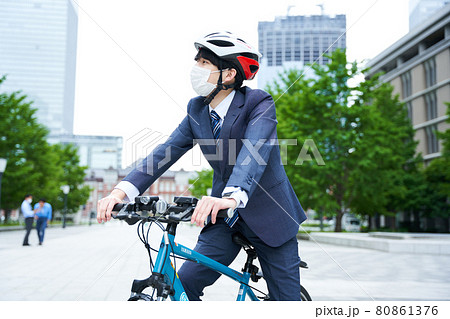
(221, 43)
(254, 68)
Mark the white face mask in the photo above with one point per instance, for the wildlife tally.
(199, 80)
(29, 200)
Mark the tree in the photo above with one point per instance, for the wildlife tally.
(73, 175)
(23, 144)
(34, 166)
(361, 132)
(437, 176)
(201, 184)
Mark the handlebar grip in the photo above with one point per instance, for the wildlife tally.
(223, 213)
(118, 207)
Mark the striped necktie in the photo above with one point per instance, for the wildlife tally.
(216, 127)
(215, 124)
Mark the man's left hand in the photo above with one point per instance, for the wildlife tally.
(210, 205)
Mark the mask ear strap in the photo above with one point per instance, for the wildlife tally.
(220, 86)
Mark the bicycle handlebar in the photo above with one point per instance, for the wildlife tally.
(159, 209)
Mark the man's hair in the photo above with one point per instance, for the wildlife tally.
(27, 195)
(220, 64)
(42, 200)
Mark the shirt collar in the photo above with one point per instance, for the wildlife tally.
(223, 106)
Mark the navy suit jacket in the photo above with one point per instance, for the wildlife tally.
(247, 156)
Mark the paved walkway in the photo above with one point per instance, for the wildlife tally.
(412, 243)
(99, 262)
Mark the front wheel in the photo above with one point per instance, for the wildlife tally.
(140, 297)
(304, 295)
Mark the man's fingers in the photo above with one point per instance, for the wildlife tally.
(198, 209)
(205, 212)
(105, 207)
(98, 212)
(214, 214)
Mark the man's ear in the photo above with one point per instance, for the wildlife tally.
(230, 76)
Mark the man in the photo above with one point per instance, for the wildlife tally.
(28, 214)
(44, 215)
(236, 129)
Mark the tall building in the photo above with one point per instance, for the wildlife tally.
(38, 42)
(294, 41)
(421, 10)
(96, 152)
(418, 66)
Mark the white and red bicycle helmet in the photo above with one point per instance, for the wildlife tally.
(229, 47)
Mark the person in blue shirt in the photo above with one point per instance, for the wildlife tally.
(44, 215)
(28, 214)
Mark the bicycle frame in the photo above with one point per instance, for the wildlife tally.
(164, 266)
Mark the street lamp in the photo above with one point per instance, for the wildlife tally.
(2, 169)
(65, 189)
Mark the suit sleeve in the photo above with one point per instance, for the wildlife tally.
(162, 157)
(259, 141)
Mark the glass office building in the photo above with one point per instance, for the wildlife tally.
(38, 42)
(294, 41)
(96, 152)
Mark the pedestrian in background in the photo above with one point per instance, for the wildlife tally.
(43, 215)
(28, 214)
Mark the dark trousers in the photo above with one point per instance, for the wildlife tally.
(41, 224)
(280, 265)
(28, 227)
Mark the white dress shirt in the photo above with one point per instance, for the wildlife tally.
(239, 195)
(27, 211)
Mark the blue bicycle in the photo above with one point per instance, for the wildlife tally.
(164, 281)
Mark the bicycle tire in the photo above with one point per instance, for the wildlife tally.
(141, 297)
(304, 295)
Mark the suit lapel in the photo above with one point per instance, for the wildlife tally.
(231, 116)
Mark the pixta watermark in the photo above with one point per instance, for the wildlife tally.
(150, 150)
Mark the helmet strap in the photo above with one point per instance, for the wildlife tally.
(220, 86)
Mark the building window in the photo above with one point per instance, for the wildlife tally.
(410, 111)
(288, 40)
(431, 105)
(297, 55)
(432, 141)
(306, 57)
(269, 58)
(287, 55)
(279, 58)
(430, 72)
(406, 84)
(315, 55)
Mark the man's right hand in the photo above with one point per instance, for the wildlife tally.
(105, 205)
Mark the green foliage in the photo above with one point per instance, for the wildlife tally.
(72, 175)
(201, 183)
(34, 166)
(361, 131)
(437, 176)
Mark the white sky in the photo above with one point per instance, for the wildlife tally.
(135, 56)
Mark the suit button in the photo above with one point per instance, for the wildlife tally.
(226, 179)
